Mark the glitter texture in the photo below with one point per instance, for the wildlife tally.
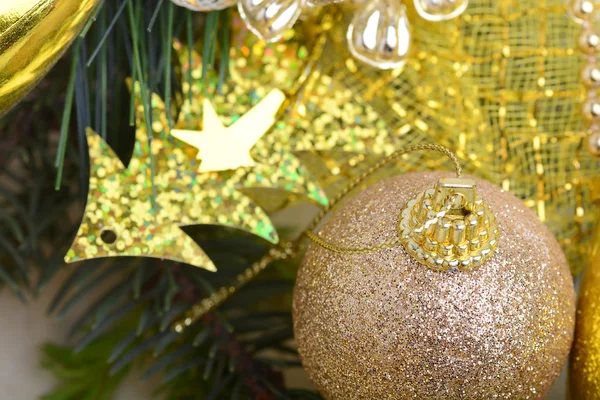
(319, 126)
(257, 69)
(584, 379)
(238, 138)
(382, 326)
(143, 212)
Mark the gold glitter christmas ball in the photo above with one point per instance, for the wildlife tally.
(380, 325)
(584, 379)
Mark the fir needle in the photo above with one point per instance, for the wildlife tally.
(64, 126)
(154, 15)
(168, 48)
(108, 30)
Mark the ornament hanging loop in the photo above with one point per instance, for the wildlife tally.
(387, 160)
(445, 227)
(458, 192)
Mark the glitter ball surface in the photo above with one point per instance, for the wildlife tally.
(584, 379)
(382, 326)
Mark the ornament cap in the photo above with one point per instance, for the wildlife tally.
(449, 226)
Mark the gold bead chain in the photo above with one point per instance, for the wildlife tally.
(584, 12)
(280, 252)
(290, 249)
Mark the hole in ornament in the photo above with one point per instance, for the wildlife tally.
(108, 236)
(458, 206)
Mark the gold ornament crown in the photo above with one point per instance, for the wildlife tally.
(449, 226)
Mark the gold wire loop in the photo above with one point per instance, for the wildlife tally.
(360, 179)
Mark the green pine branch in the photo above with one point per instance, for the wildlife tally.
(82, 375)
(223, 354)
(232, 352)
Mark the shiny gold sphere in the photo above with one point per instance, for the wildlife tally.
(591, 110)
(582, 9)
(380, 325)
(593, 143)
(33, 36)
(589, 42)
(584, 371)
(590, 76)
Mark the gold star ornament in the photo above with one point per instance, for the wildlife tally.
(139, 210)
(223, 148)
(120, 218)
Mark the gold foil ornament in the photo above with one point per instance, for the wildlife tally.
(120, 218)
(237, 138)
(380, 324)
(33, 36)
(379, 34)
(205, 5)
(584, 371)
(138, 210)
(269, 19)
(440, 10)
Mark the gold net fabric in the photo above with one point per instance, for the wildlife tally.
(499, 86)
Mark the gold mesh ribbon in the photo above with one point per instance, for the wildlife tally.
(500, 87)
